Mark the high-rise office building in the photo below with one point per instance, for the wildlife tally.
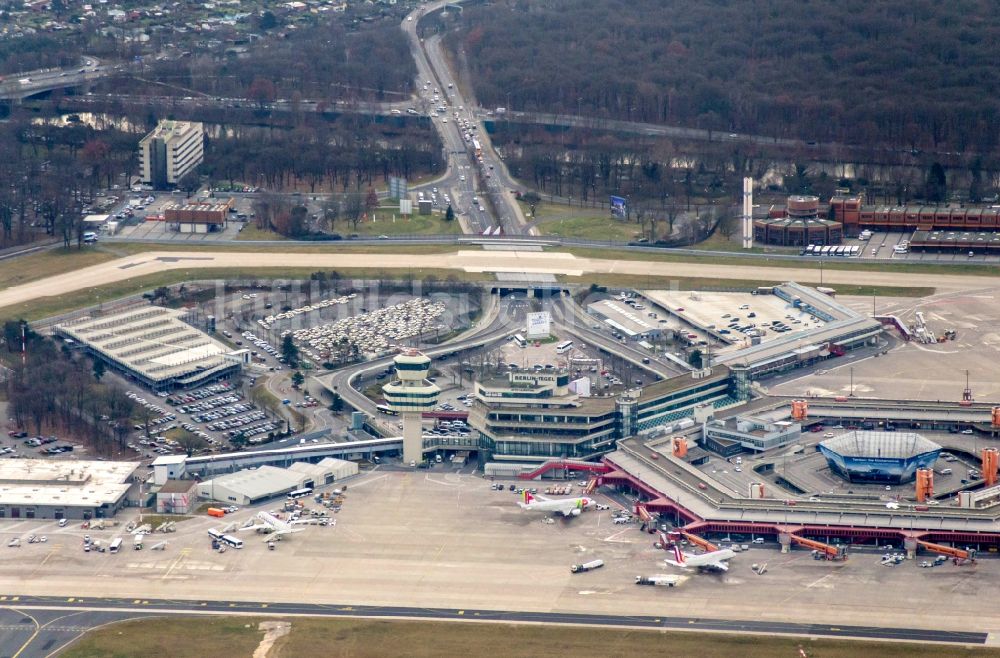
(172, 150)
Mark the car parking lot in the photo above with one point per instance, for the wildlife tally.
(738, 317)
(371, 333)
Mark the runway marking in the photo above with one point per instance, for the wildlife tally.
(184, 553)
(614, 537)
(816, 582)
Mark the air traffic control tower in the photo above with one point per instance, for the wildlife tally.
(410, 394)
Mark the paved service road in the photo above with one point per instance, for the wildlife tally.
(110, 606)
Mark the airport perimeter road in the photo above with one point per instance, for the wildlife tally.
(111, 606)
(473, 261)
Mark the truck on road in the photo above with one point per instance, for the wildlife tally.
(660, 579)
(137, 541)
(587, 566)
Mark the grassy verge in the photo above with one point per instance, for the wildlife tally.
(251, 232)
(576, 222)
(667, 256)
(716, 242)
(57, 304)
(183, 637)
(641, 281)
(329, 247)
(156, 519)
(173, 637)
(32, 267)
(391, 223)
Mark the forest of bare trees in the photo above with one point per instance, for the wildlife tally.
(897, 73)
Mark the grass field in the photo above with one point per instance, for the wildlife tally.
(22, 269)
(251, 232)
(575, 222)
(178, 637)
(384, 224)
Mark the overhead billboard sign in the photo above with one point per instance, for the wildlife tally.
(618, 207)
(538, 325)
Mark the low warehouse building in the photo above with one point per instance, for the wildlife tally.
(177, 497)
(198, 217)
(327, 471)
(42, 489)
(252, 486)
(249, 487)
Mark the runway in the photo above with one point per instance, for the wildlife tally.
(101, 610)
(466, 261)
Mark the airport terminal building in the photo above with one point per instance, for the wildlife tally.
(534, 416)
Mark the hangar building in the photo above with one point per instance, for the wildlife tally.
(253, 486)
(880, 457)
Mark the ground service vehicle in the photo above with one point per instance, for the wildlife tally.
(658, 580)
(116, 544)
(137, 541)
(587, 566)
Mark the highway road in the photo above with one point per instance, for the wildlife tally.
(20, 85)
(111, 606)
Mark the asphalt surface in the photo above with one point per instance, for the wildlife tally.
(102, 610)
(26, 633)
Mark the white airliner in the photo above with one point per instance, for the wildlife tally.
(567, 507)
(275, 527)
(712, 560)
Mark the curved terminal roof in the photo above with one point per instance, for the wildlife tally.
(883, 445)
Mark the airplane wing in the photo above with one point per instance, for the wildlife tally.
(260, 526)
(722, 566)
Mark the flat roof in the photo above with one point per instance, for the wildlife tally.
(260, 482)
(151, 341)
(624, 318)
(67, 483)
(881, 445)
(177, 486)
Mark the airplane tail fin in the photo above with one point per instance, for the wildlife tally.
(678, 554)
(527, 497)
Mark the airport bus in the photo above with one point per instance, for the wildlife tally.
(564, 347)
(116, 544)
(215, 534)
(234, 542)
(811, 250)
(825, 251)
(300, 493)
(840, 251)
(386, 409)
(519, 339)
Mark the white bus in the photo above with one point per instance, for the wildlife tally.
(564, 347)
(519, 339)
(300, 493)
(215, 534)
(229, 540)
(116, 544)
(385, 409)
(811, 250)
(825, 251)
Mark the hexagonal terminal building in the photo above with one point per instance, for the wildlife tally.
(879, 457)
(410, 394)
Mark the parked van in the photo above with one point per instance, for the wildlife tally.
(90, 237)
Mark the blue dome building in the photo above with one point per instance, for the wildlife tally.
(879, 457)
